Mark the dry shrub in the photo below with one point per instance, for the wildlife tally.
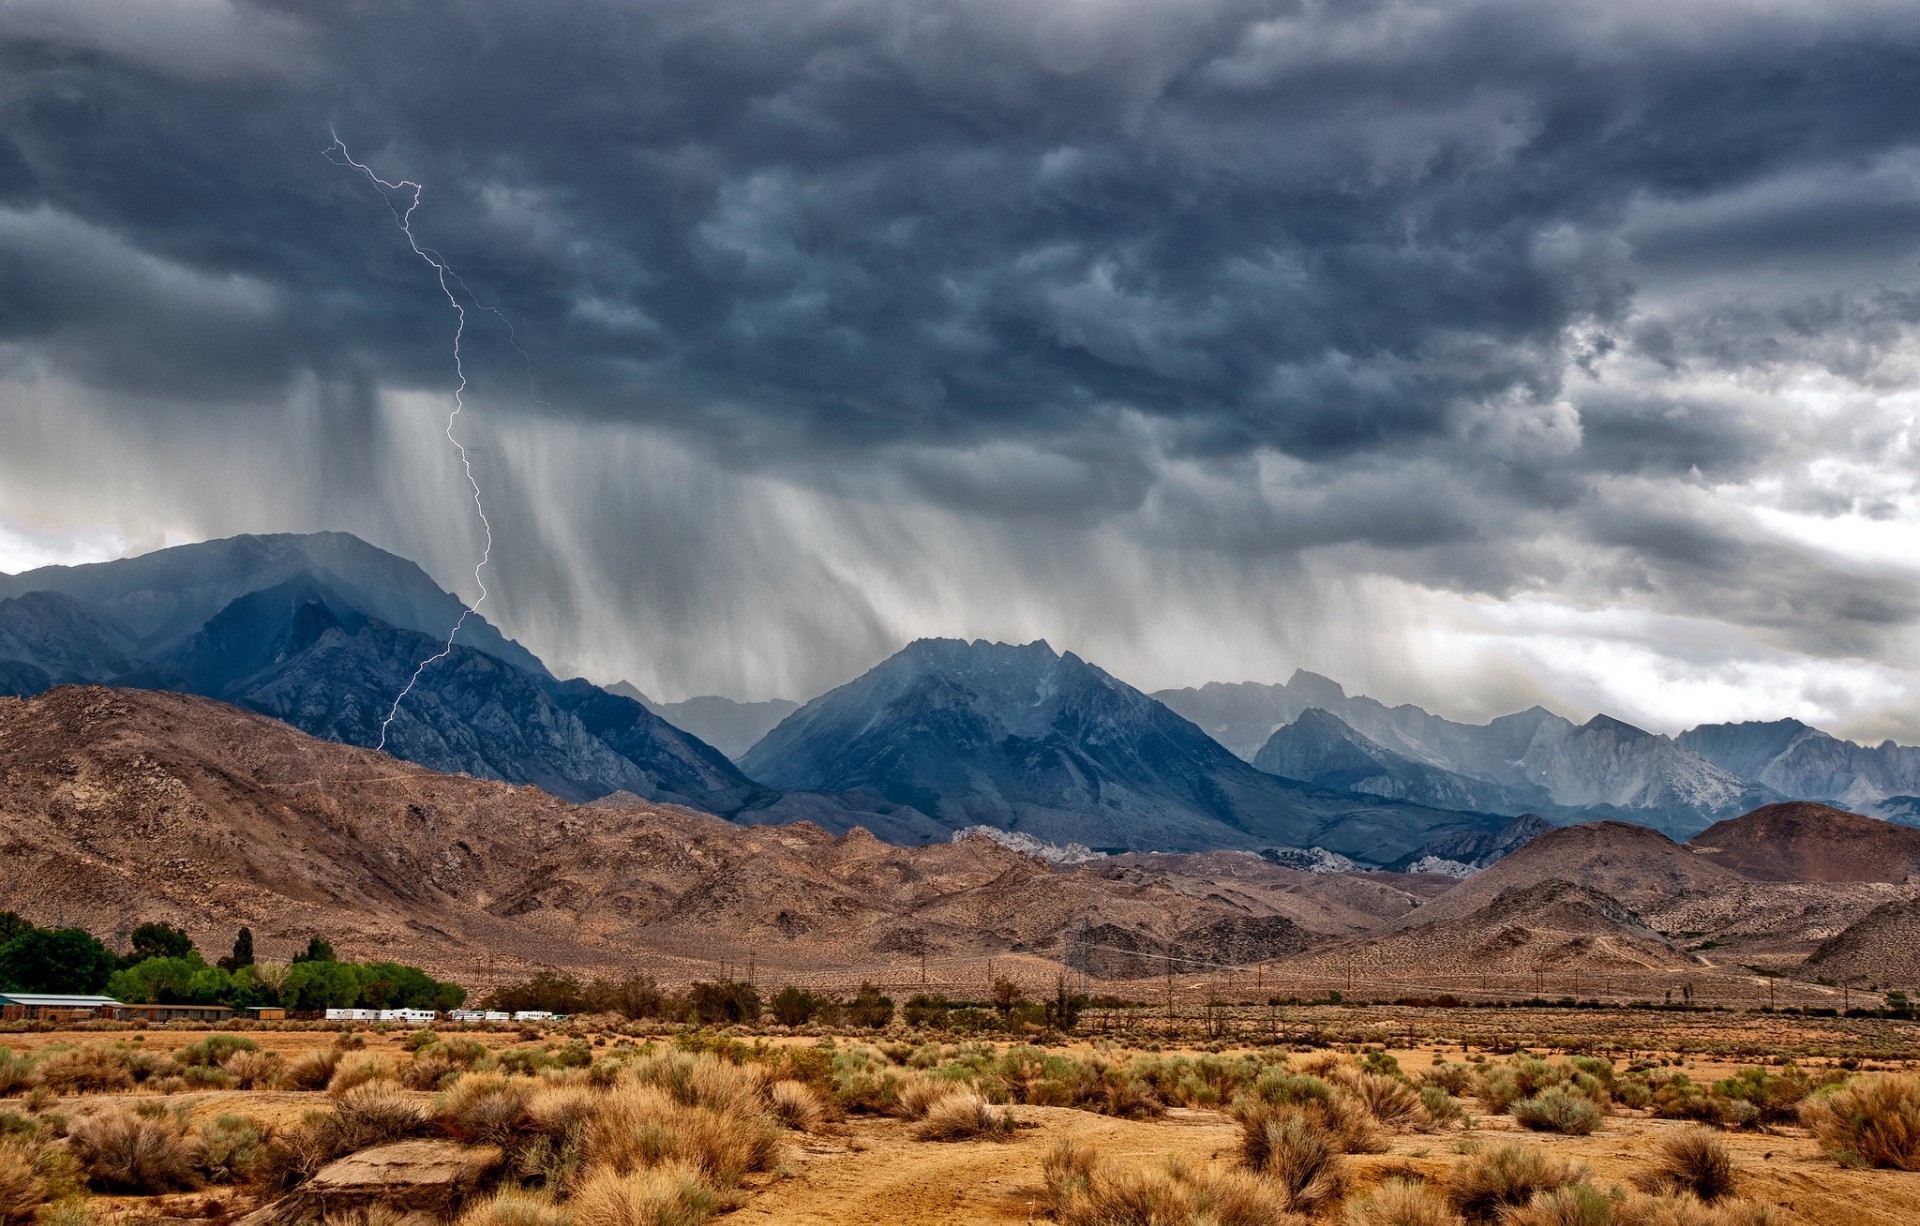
(1505, 1177)
(1067, 1170)
(638, 1126)
(1296, 1152)
(1402, 1202)
(1872, 1121)
(428, 1069)
(704, 1081)
(516, 1207)
(30, 1176)
(359, 1069)
(1557, 1111)
(1579, 1204)
(563, 1110)
(373, 1114)
(1441, 1107)
(917, 1094)
(16, 1072)
(311, 1071)
(1455, 1079)
(964, 1115)
(1693, 1160)
(125, 1151)
(229, 1148)
(1684, 1210)
(488, 1107)
(672, 1195)
(87, 1070)
(252, 1070)
(377, 1214)
(796, 1105)
(1168, 1195)
(1389, 1100)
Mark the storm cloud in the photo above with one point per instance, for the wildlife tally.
(1208, 339)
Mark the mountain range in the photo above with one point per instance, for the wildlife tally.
(1535, 761)
(324, 631)
(258, 824)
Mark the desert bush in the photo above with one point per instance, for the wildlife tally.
(795, 1104)
(1296, 1152)
(1774, 1098)
(1678, 1097)
(634, 1126)
(1504, 1177)
(1578, 1204)
(32, 1177)
(1455, 1079)
(17, 1074)
(206, 1077)
(1557, 1111)
(373, 1114)
(516, 1207)
(252, 1070)
(214, 1050)
(428, 1069)
(87, 1070)
(1389, 1100)
(312, 1070)
(1872, 1121)
(357, 1070)
(126, 1151)
(1693, 1160)
(1067, 1170)
(228, 1149)
(1169, 1195)
(963, 1115)
(487, 1107)
(1402, 1202)
(1684, 1210)
(1441, 1107)
(675, 1194)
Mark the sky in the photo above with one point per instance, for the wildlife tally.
(1475, 354)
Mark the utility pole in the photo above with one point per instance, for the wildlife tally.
(923, 968)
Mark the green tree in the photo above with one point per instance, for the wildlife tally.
(12, 924)
(242, 954)
(319, 949)
(66, 960)
(158, 940)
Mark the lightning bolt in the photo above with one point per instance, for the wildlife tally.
(442, 275)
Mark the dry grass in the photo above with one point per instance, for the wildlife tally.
(1872, 1121)
(1578, 1204)
(357, 1070)
(252, 1070)
(126, 1151)
(375, 1113)
(1695, 1161)
(87, 1070)
(675, 1194)
(311, 1070)
(1389, 1100)
(633, 1127)
(1297, 1153)
(22, 1188)
(488, 1107)
(1505, 1177)
(1086, 1194)
(963, 1115)
(17, 1072)
(916, 1094)
(1401, 1202)
(516, 1207)
(795, 1104)
(1687, 1211)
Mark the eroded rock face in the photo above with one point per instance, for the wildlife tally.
(426, 1176)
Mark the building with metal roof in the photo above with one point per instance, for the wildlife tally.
(53, 1007)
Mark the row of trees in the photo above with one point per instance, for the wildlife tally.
(164, 967)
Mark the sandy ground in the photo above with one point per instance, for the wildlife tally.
(869, 1171)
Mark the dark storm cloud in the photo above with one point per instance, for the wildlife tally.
(1462, 267)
